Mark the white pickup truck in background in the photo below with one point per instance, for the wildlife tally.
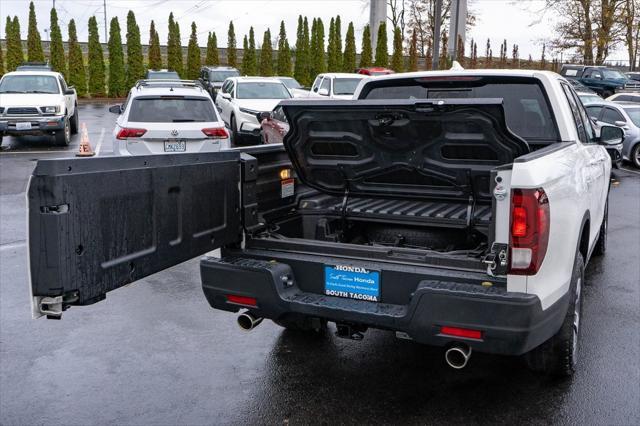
(37, 102)
(455, 208)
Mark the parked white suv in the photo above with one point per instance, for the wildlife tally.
(162, 117)
(335, 85)
(38, 103)
(241, 99)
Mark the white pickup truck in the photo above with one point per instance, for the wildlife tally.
(38, 103)
(456, 209)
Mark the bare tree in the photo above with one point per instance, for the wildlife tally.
(397, 14)
(631, 23)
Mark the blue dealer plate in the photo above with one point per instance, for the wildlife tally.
(352, 282)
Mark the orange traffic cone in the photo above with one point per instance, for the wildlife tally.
(85, 146)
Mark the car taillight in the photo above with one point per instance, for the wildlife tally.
(216, 132)
(529, 230)
(125, 133)
(242, 300)
(461, 332)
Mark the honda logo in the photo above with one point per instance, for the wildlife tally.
(174, 133)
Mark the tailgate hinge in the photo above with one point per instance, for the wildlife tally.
(53, 307)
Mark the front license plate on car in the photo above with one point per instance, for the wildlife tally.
(353, 282)
(175, 146)
(23, 125)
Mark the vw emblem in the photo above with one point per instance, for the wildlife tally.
(174, 133)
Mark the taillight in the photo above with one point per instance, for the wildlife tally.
(529, 230)
(125, 133)
(461, 332)
(242, 300)
(216, 132)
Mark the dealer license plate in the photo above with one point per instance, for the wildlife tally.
(20, 125)
(352, 282)
(175, 146)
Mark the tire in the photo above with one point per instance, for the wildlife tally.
(558, 356)
(601, 245)
(235, 136)
(606, 94)
(74, 122)
(302, 324)
(635, 156)
(62, 138)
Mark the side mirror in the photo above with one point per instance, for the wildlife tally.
(323, 92)
(620, 123)
(116, 109)
(264, 115)
(226, 96)
(70, 91)
(594, 120)
(611, 135)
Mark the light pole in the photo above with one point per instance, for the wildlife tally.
(436, 35)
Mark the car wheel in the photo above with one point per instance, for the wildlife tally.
(62, 138)
(635, 155)
(235, 137)
(606, 94)
(302, 323)
(74, 122)
(601, 244)
(558, 356)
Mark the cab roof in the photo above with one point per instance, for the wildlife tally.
(34, 72)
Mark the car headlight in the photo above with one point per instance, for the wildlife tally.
(249, 111)
(50, 109)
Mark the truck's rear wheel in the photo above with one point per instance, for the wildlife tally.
(635, 155)
(63, 137)
(302, 323)
(558, 356)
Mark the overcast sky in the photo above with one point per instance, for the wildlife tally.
(496, 19)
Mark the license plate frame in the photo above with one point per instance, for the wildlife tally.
(175, 145)
(352, 282)
(23, 125)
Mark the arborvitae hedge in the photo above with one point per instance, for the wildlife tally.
(96, 61)
(77, 72)
(212, 50)
(34, 44)
(349, 57)
(232, 58)
(366, 53)
(174, 47)
(397, 61)
(284, 53)
(337, 34)
(57, 60)
(249, 58)
(301, 64)
(135, 62)
(266, 55)
(413, 52)
(116, 61)
(155, 57)
(194, 62)
(332, 66)
(1, 62)
(318, 63)
(307, 65)
(382, 51)
(15, 56)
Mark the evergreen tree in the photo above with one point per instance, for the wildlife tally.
(318, 63)
(307, 49)
(249, 58)
(349, 57)
(232, 59)
(331, 48)
(413, 52)
(15, 56)
(488, 55)
(34, 44)
(135, 64)
(1, 62)
(397, 61)
(194, 62)
(366, 53)
(543, 59)
(96, 61)
(382, 51)
(337, 34)
(212, 50)
(155, 57)
(245, 57)
(174, 47)
(444, 54)
(460, 51)
(301, 65)
(57, 60)
(116, 61)
(77, 72)
(266, 55)
(284, 53)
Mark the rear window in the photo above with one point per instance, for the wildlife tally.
(527, 111)
(262, 91)
(172, 109)
(153, 75)
(345, 86)
(220, 76)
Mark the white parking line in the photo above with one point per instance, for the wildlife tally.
(99, 146)
(628, 170)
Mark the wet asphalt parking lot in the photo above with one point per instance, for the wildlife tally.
(154, 352)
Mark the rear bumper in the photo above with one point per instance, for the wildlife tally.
(511, 323)
(39, 125)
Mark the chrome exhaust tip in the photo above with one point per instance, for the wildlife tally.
(247, 321)
(457, 356)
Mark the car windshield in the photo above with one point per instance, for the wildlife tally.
(262, 90)
(345, 86)
(526, 109)
(588, 98)
(153, 75)
(634, 114)
(220, 76)
(172, 109)
(613, 74)
(29, 84)
(291, 83)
